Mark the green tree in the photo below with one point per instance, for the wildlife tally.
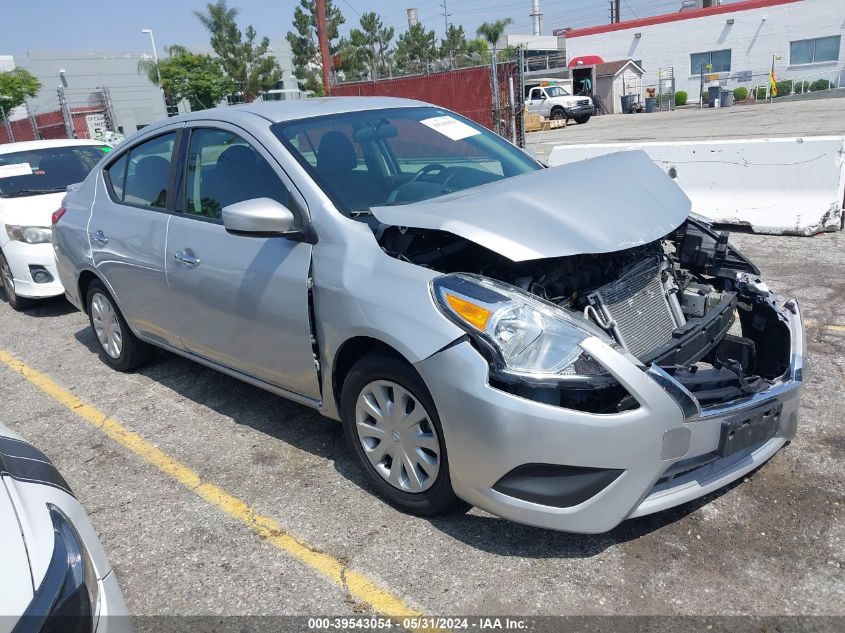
(186, 75)
(15, 87)
(477, 52)
(492, 32)
(454, 44)
(366, 53)
(415, 48)
(305, 46)
(248, 63)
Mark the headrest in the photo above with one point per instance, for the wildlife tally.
(336, 153)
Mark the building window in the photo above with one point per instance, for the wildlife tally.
(720, 61)
(820, 49)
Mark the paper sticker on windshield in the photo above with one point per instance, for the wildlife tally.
(450, 127)
(16, 169)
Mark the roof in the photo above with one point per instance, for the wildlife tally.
(676, 17)
(25, 146)
(611, 69)
(277, 111)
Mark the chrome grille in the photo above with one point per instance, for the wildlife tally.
(637, 307)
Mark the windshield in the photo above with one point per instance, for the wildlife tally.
(46, 170)
(556, 91)
(399, 155)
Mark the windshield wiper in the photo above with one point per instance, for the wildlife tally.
(30, 192)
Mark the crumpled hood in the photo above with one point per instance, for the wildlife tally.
(600, 205)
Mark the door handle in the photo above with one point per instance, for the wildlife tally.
(100, 238)
(187, 257)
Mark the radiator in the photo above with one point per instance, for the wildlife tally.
(636, 308)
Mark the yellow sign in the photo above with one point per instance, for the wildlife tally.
(713, 77)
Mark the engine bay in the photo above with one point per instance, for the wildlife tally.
(689, 302)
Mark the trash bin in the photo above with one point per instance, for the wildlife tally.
(650, 104)
(713, 96)
(726, 98)
(628, 102)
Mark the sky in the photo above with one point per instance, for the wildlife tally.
(116, 24)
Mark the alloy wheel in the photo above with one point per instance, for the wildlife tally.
(397, 436)
(106, 325)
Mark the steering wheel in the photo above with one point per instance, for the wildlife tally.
(427, 170)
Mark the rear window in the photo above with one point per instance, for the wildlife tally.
(46, 170)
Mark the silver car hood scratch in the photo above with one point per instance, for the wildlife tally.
(600, 205)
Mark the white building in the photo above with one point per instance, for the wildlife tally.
(736, 42)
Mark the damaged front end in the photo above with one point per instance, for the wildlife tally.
(688, 303)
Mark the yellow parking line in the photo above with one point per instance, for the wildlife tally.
(826, 326)
(358, 585)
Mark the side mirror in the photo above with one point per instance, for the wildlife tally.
(259, 216)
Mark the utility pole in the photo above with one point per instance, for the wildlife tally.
(618, 11)
(323, 36)
(446, 15)
(611, 3)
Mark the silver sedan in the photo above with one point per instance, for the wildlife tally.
(563, 347)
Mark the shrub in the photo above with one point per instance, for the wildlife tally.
(741, 93)
(761, 94)
(801, 87)
(820, 84)
(784, 88)
(680, 98)
(705, 97)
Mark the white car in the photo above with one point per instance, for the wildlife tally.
(33, 178)
(54, 574)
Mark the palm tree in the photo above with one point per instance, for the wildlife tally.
(492, 32)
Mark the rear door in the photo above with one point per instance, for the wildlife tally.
(128, 230)
(242, 301)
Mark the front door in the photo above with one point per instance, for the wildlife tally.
(243, 301)
(536, 101)
(128, 233)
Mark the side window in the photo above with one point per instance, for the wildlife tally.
(147, 172)
(117, 175)
(224, 169)
(536, 94)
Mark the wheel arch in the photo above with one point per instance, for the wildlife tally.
(350, 352)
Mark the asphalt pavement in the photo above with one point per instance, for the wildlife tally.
(771, 544)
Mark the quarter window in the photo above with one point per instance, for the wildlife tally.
(141, 175)
(719, 60)
(224, 169)
(820, 49)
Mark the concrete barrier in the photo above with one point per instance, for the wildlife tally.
(789, 186)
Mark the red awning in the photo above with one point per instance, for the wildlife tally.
(585, 60)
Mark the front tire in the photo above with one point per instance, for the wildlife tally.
(7, 280)
(119, 348)
(558, 114)
(391, 426)
(580, 120)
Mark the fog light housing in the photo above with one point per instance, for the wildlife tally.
(555, 485)
(40, 275)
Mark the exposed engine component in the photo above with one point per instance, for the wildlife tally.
(636, 307)
(671, 302)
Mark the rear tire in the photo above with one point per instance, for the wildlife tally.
(7, 281)
(119, 348)
(405, 461)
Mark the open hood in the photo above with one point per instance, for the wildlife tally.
(601, 205)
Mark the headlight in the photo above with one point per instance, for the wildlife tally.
(67, 598)
(29, 234)
(527, 338)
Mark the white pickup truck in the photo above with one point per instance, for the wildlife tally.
(554, 102)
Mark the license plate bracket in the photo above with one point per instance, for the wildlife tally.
(742, 431)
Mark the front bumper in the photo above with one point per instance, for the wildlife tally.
(577, 111)
(665, 448)
(20, 257)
